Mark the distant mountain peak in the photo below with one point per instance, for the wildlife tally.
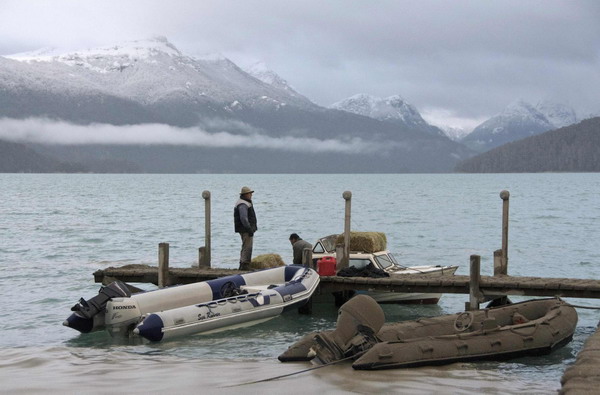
(520, 108)
(518, 120)
(392, 109)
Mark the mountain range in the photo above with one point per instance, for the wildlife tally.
(150, 107)
(144, 106)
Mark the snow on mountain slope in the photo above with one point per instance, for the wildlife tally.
(260, 71)
(558, 114)
(152, 70)
(518, 120)
(393, 109)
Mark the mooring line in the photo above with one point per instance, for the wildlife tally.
(583, 307)
(294, 373)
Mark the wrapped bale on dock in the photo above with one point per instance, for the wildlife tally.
(368, 242)
(266, 261)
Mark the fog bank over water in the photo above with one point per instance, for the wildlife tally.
(45, 131)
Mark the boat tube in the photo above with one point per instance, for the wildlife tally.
(532, 327)
(119, 312)
(256, 304)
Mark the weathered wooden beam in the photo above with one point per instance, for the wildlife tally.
(505, 196)
(475, 295)
(163, 265)
(206, 256)
(343, 263)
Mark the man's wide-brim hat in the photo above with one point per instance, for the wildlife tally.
(246, 190)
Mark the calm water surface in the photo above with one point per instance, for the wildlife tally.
(56, 230)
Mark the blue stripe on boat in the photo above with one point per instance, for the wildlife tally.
(290, 288)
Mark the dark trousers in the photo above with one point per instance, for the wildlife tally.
(246, 252)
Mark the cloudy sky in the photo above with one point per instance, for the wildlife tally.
(459, 62)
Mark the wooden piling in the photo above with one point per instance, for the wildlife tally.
(163, 265)
(347, 195)
(499, 268)
(475, 294)
(505, 196)
(307, 260)
(205, 258)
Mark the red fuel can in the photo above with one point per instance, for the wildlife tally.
(326, 266)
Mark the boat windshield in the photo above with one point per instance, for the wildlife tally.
(328, 242)
(385, 261)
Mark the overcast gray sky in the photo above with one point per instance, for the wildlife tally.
(459, 62)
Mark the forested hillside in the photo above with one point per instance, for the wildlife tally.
(574, 148)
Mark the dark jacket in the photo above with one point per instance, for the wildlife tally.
(244, 217)
(298, 248)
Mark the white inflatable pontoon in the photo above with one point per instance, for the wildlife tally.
(259, 304)
(115, 309)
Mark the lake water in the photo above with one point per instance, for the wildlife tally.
(57, 229)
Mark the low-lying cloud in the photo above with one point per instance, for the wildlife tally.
(45, 131)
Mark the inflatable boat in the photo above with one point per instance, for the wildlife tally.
(257, 304)
(528, 328)
(118, 311)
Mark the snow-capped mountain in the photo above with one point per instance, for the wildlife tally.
(152, 82)
(517, 121)
(151, 71)
(393, 109)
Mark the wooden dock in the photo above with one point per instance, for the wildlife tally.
(580, 378)
(489, 286)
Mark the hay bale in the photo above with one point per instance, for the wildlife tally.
(266, 261)
(365, 241)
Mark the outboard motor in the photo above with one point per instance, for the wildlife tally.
(358, 322)
(85, 317)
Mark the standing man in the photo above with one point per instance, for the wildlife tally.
(244, 219)
(298, 246)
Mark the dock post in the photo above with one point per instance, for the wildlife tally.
(347, 195)
(307, 260)
(474, 292)
(499, 268)
(505, 195)
(204, 255)
(163, 265)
